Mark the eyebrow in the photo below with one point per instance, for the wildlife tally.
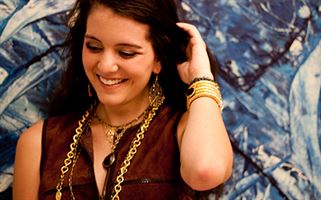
(120, 44)
(91, 37)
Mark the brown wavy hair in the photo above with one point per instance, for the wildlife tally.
(168, 40)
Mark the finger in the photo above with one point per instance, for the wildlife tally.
(183, 72)
(192, 31)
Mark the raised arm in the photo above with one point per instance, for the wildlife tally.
(205, 150)
(26, 178)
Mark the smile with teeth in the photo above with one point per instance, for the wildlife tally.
(110, 82)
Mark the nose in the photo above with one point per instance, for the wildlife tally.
(108, 62)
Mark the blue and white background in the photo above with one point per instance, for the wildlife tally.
(270, 53)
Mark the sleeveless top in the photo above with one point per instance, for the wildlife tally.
(154, 172)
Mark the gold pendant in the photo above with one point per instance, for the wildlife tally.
(110, 133)
(58, 195)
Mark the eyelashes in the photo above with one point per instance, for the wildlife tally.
(126, 54)
(93, 48)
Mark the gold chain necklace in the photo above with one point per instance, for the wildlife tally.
(72, 156)
(134, 146)
(74, 161)
(114, 134)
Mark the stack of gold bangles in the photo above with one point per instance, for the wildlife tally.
(204, 87)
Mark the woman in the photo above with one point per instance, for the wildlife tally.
(123, 127)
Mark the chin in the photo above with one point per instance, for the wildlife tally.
(110, 101)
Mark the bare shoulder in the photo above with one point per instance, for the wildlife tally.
(32, 136)
(27, 163)
(29, 143)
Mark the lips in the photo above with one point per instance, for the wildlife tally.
(110, 82)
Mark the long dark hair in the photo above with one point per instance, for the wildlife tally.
(168, 40)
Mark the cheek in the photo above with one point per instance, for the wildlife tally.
(86, 61)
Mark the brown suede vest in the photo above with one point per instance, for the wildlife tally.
(153, 173)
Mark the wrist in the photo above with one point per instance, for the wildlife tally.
(204, 87)
(201, 76)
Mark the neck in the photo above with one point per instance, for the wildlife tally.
(121, 114)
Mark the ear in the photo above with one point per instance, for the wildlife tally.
(157, 67)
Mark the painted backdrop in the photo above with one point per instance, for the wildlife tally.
(270, 53)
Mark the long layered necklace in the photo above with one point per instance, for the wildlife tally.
(114, 134)
(72, 156)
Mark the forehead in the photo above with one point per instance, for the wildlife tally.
(104, 22)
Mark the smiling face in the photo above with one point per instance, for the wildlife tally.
(118, 58)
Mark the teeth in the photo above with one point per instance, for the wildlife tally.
(109, 81)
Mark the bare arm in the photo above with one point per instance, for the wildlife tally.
(205, 150)
(26, 178)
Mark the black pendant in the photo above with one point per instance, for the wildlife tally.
(109, 160)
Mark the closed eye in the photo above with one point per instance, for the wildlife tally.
(93, 48)
(127, 54)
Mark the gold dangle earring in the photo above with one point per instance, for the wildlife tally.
(155, 93)
(90, 94)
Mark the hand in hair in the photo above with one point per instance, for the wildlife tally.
(197, 64)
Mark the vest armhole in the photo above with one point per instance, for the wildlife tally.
(175, 124)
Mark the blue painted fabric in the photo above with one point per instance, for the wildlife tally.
(270, 57)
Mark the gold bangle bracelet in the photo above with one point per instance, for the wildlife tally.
(204, 88)
(209, 92)
(195, 85)
(205, 82)
(217, 100)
